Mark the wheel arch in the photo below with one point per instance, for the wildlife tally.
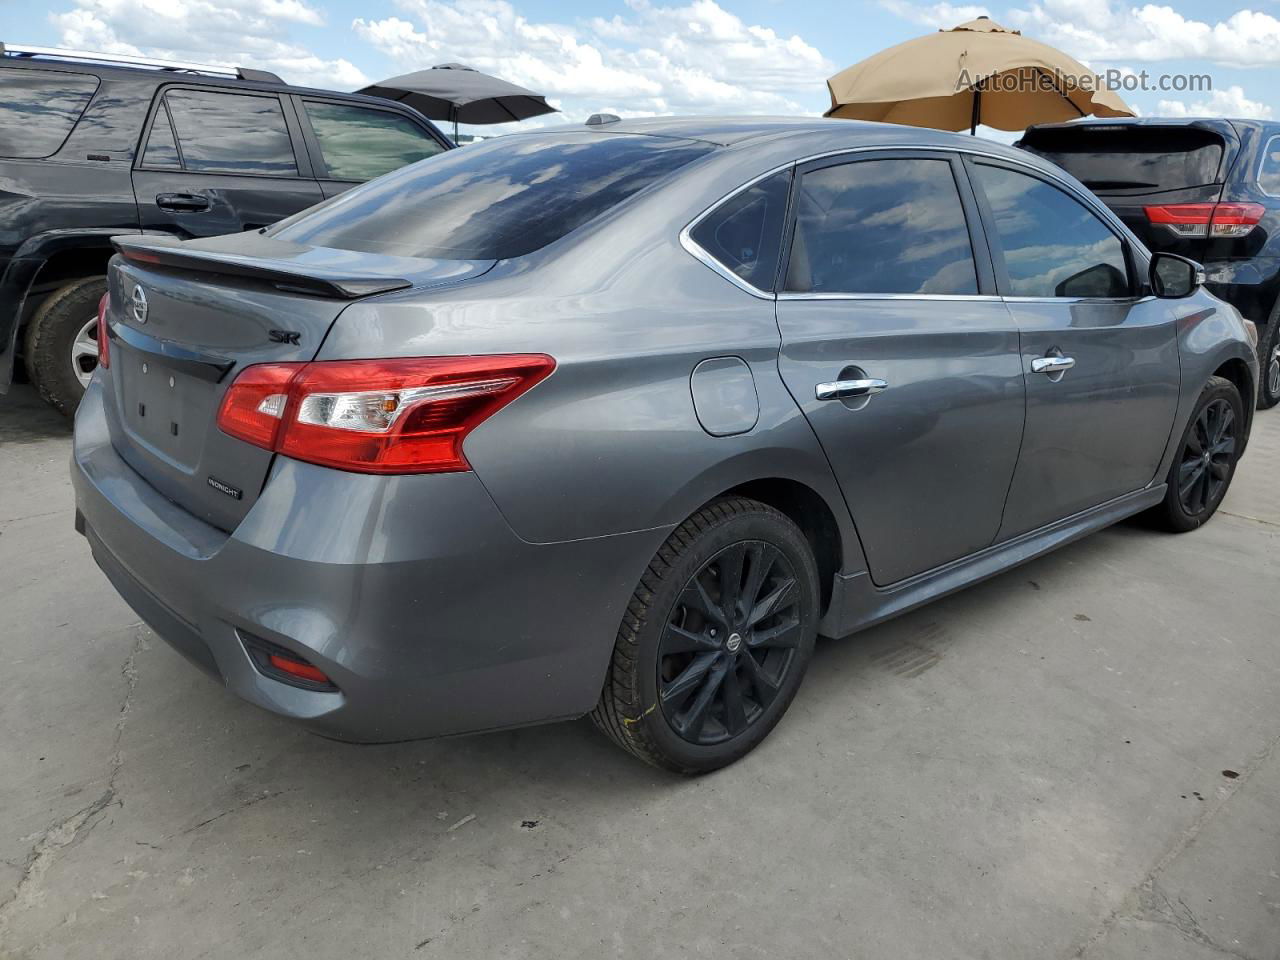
(1237, 371)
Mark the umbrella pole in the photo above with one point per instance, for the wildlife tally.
(977, 112)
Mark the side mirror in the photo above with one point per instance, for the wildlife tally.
(1174, 277)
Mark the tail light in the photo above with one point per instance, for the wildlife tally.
(376, 416)
(104, 343)
(1218, 221)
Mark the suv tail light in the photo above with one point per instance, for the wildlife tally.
(1218, 221)
(104, 346)
(376, 416)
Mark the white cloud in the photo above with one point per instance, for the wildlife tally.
(941, 16)
(1230, 102)
(651, 60)
(1109, 31)
(243, 33)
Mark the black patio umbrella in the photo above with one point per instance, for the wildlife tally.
(453, 91)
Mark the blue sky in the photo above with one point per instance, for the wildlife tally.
(650, 56)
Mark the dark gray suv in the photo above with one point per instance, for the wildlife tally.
(94, 145)
(617, 419)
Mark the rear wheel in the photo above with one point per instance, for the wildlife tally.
(62, 342)
(1269, 360)
(1206, 460)
(715, 640)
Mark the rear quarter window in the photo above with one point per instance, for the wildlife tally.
(744, 233)
(1269, 169)
(38, 109)
(1135, 159)
(502, 198)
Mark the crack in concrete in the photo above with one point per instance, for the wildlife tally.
(1146, 893)
(1158, 907)
(76, 827)
(1245, 516)
(243, 805)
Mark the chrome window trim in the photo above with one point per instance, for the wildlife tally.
(1099, 209)
(794, 295)
(1262, 161)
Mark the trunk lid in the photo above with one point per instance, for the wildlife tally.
(208, 309)
(1132, 166)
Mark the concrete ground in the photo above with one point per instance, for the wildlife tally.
(1077, 759)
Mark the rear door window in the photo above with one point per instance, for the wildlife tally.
(1053, 245)
(231, 133)
(892, 226)
(744, 233)
(1136, 159)
(502, 198)
(357, 143)
(38, 110)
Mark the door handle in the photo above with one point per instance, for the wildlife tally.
(182, 202)
(1052, 364)
(845, 389)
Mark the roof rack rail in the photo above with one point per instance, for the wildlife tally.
(10, 50)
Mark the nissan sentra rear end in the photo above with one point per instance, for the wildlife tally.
(304, 524)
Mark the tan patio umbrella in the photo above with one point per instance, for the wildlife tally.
(978, 72)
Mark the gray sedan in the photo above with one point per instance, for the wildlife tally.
(617, 419)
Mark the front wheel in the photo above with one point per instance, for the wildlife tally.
(62, 342)
(1206, 460)
(715, 640)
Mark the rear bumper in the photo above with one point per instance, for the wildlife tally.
(412, 593)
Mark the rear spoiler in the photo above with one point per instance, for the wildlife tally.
(283, 274)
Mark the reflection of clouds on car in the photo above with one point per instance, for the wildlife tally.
(497, 199)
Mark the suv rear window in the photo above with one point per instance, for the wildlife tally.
(1146, 159)
(39, 108)
(502, 198)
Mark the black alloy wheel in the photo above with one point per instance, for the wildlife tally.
(729, 643)
(715, 639)
(1208, 456)
(1206, 460)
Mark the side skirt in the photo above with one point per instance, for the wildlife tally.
(857, 603)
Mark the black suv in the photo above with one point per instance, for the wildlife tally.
(93, 146)
(1207, 189)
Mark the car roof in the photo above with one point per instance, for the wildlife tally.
(828, 133)
(146, 74)
(1219, 124)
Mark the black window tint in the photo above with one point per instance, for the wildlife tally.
(38, 109)
(1133, 158)
(231, 133)
(161, 150)
(1269, 171)
(360, 144)
(488, 201)
(881, 226)
(745, 232)
(1053, 245)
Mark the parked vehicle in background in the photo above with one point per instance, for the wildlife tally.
(1207, 189)
(94, 145)
(617, 418)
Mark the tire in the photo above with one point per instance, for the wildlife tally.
(1269, 361)
(676, 638)
(1197, 484)
(57, 354)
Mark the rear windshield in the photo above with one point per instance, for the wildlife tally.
(502, 198)
(38, 108)
(1149, 159)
